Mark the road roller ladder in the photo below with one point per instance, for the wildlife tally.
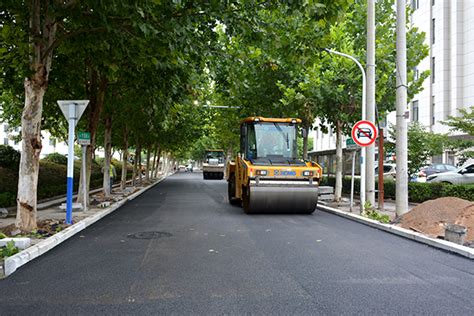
(267, 176)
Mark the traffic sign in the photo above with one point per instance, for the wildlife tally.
(364, 133)
(84, 138)
(350, 143)
(79, 107)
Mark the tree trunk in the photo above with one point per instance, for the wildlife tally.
(135, 165)
(139, 158)
(338, 189)
(152, 171)
(30, 154)
(107, 159)
(42, 37)
(147, 167)
(96, 89)
(157, 168)
(123, 181)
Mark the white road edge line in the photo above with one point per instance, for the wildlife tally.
(437, 243)
(11, 264)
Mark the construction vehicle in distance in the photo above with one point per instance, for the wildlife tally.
(267, 176)
(213, 166)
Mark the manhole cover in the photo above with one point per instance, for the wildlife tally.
(149, 235)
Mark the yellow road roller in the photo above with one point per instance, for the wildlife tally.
(213, 166)
(267, 176)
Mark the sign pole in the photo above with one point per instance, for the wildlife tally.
(70, 162)
(381, 179)
(352, 179)
(72, 111)
(84, 175)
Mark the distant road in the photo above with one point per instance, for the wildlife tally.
(193, 253)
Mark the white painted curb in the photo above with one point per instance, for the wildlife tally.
(11, 264)
(437, 243)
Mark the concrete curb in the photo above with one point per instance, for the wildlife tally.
(11, 264)
(406, 233)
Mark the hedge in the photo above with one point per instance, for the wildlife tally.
(56, 158)
(51, 179)
(417, 191)
(9, 157)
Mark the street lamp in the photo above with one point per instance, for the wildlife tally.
(364, 104)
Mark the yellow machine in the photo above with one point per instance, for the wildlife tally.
(267, 176)
(213, 166)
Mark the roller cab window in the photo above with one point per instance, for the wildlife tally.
(271, 141)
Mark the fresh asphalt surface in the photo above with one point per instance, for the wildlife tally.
(218, 260)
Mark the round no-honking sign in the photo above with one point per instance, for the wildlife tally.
(364, 133)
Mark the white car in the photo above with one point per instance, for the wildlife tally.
(389, 172)
(464, 175)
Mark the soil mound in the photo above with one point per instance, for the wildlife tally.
(430, 217)
(466, 219)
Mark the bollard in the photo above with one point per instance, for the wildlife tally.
(455, 233)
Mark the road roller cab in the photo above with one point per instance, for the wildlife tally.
(267, 176)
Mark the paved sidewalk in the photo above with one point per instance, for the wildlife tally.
(389, 206)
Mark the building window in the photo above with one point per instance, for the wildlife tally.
(433, 116)
(5, 128)
(432, 2)
(417, 73)
(414, 117)
(5, 141)
(415, 4)
(433, 70)
(52, 142)
(433, 30)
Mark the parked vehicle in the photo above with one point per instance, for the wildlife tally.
(463, 175)
(435, 168)
(389, 172)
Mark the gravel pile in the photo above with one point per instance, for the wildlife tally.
(430, 217)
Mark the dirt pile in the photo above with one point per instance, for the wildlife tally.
(430, 217)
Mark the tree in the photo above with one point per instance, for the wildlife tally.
(422, 145)
(331, 87)
(464, 123)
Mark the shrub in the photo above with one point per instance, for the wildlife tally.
(461, 191)
(8, 180)
(417, 192)
(7, 199)
(8, 250)
(56, 158)
(9, 157)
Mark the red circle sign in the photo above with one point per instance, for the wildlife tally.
(364, 133)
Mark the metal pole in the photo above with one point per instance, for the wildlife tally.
(370, 170)
(401, 100)
(84, 174)
(364, 106)
(352, 179)
(70, 162)
(381, 179)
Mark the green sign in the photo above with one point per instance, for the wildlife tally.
(84, 138)
(350, 143)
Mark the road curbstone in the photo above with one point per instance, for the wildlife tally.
(406, 233)
(12, 263)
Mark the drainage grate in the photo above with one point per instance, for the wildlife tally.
(149, 235)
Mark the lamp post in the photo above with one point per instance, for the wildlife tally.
(364, 105)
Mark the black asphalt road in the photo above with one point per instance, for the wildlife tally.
(217, 260)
